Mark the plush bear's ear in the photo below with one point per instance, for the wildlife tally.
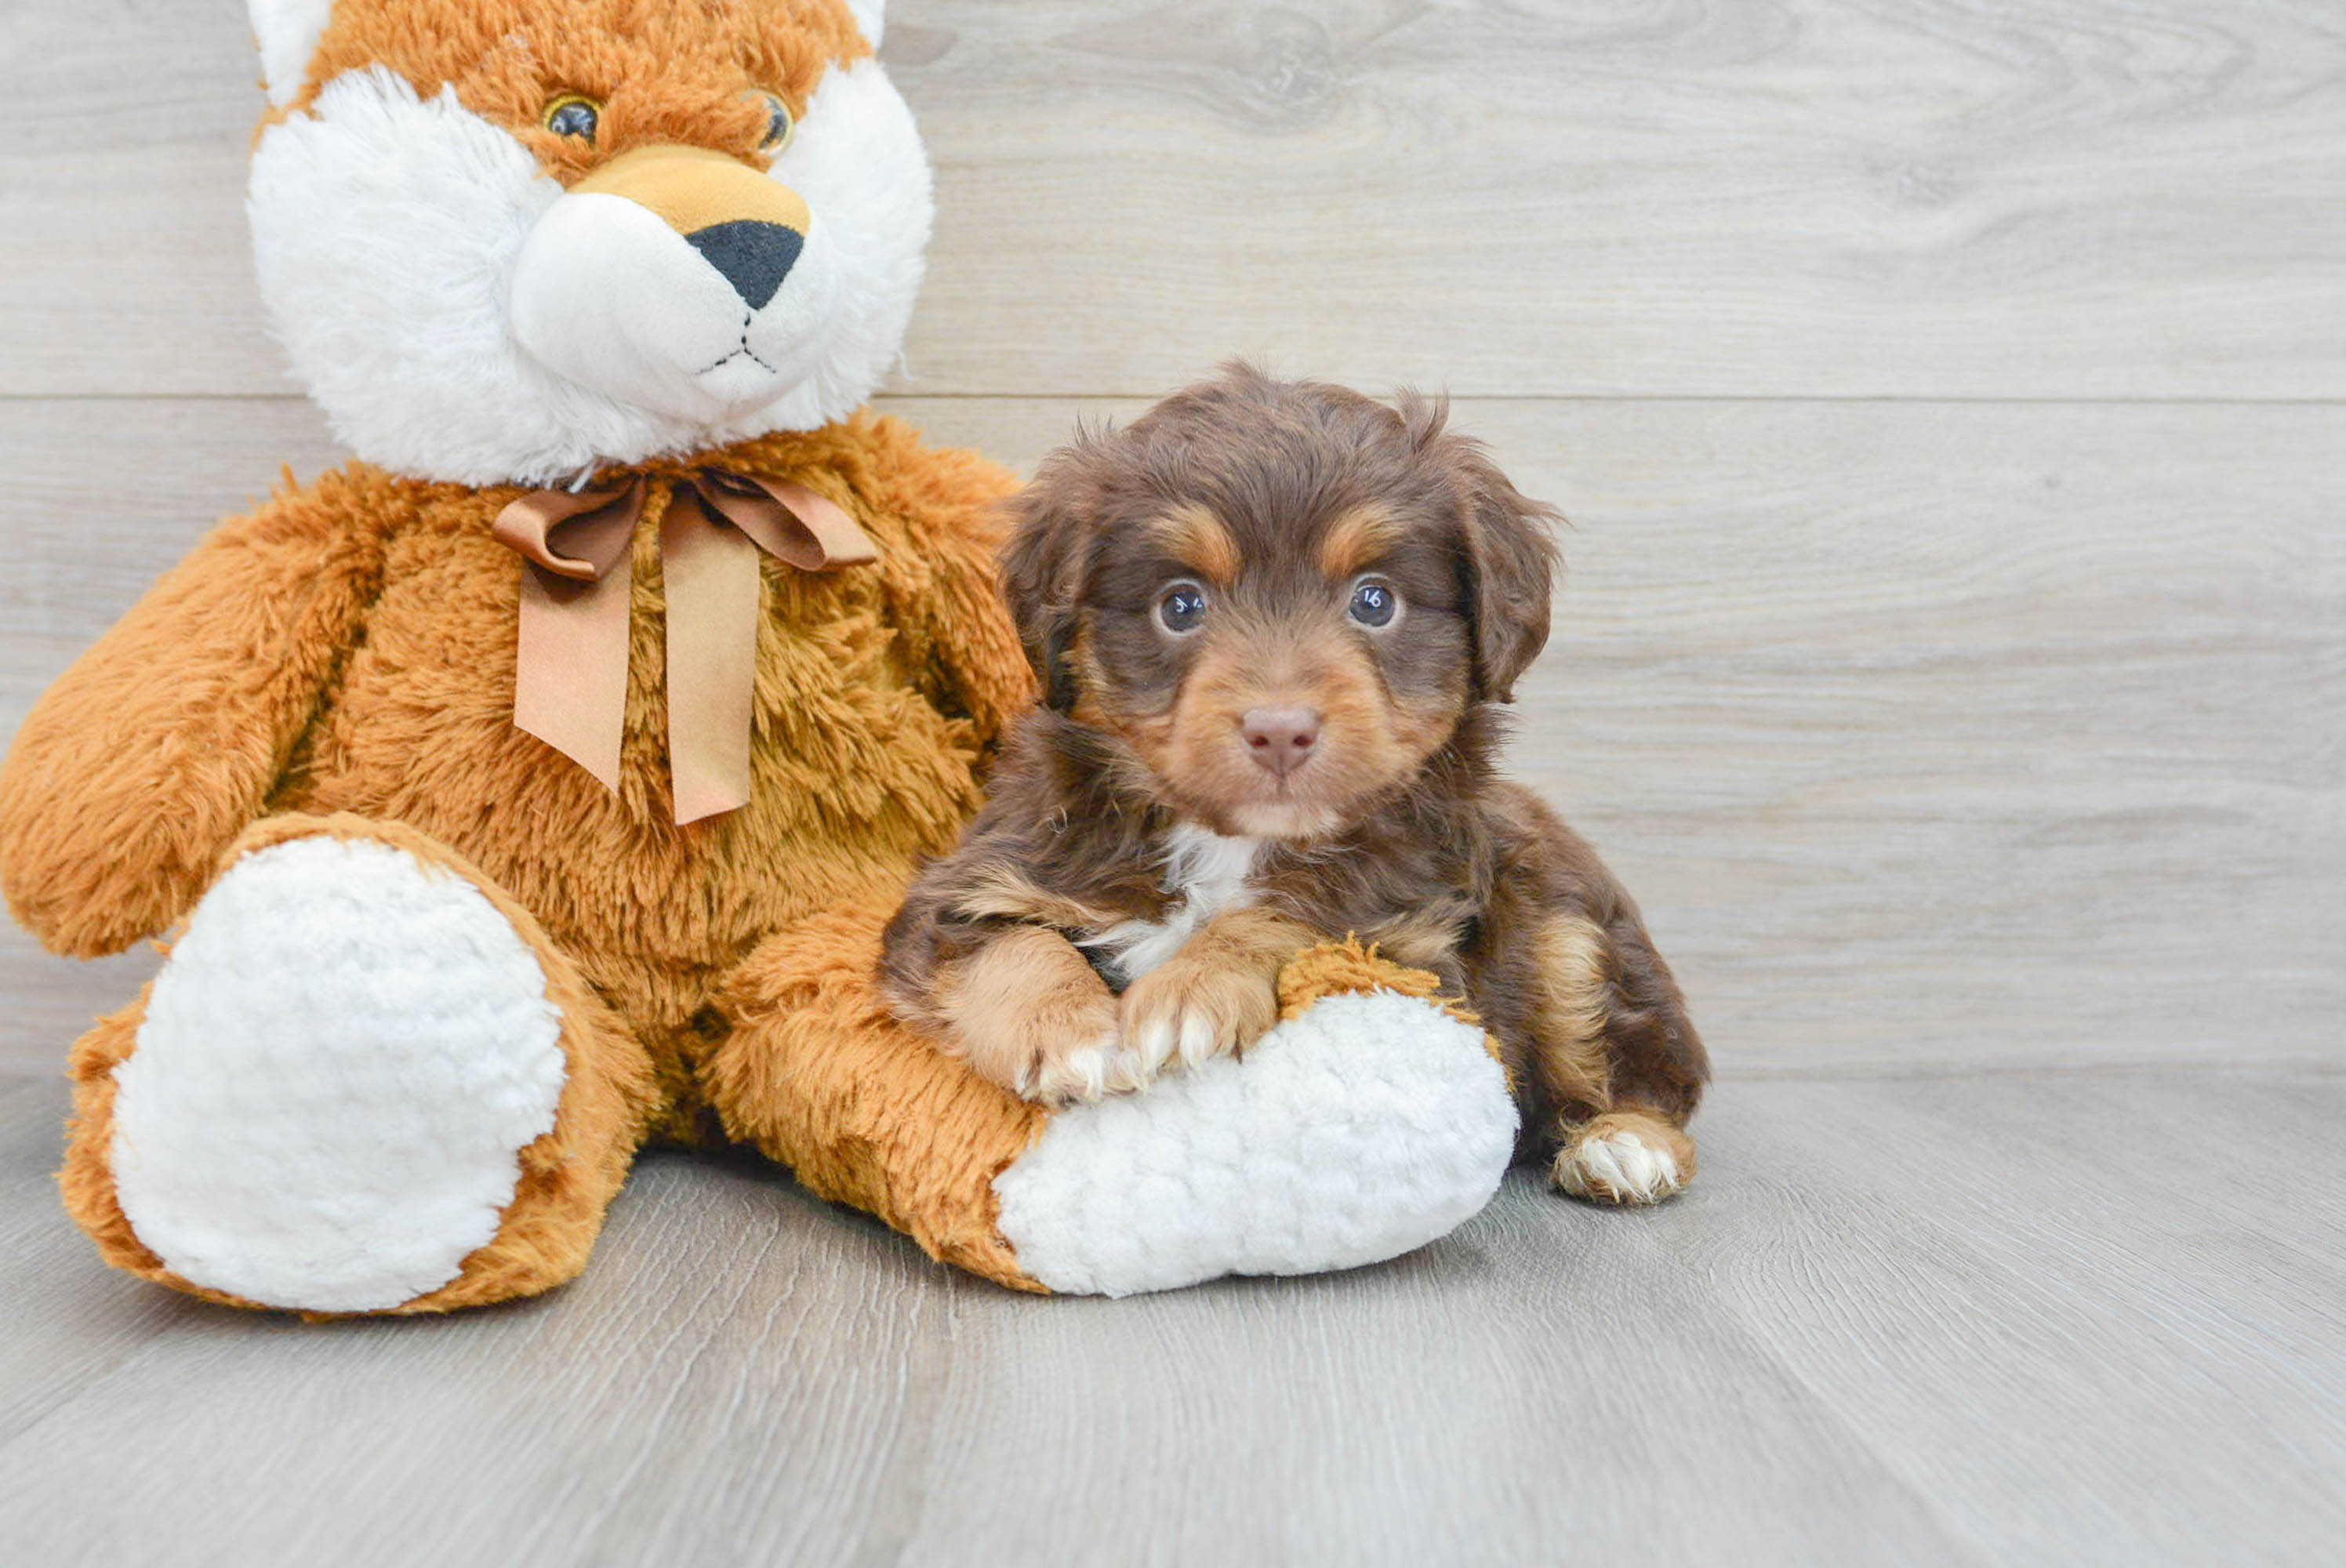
(1043, 566)
(1511, 556)
(872, 15)
(288, 33)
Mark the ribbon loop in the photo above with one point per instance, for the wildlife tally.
(579, 535)
(789, 522)
(570, 681)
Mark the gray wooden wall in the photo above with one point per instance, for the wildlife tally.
(1949, 396)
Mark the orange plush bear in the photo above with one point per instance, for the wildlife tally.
(538, 784)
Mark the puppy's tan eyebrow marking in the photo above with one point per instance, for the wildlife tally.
(1201, 541)
(1358, 538)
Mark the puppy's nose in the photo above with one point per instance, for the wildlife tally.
(1281, 738)
(752, 256)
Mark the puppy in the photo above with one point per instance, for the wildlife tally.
(1271, 621)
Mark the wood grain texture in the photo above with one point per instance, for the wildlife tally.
(2097, 197)
(1930, 736)
(1988, 1321)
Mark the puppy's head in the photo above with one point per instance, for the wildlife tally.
(1281, 596)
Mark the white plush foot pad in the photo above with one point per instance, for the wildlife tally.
(1364, 1129)
(338, 1068)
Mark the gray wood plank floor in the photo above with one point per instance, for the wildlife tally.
(2091, 1317)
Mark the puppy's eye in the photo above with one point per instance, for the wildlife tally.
(1375, 602)
(1182, 607)
(572, 113)
(778, 124)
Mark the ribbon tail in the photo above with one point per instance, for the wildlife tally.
(570, 674)
(790, 522)
(710, 581)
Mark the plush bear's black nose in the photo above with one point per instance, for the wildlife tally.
(754, 256)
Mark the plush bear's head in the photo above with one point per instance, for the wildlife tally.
(514, 240)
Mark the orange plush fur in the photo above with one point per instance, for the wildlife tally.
(660, 75)
(715, 977)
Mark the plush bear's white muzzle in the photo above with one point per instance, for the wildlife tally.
(679, 281)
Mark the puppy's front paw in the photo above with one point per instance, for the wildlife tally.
(1626, 1157)
(1077, 1071)
(1029, 1014)
(1190, 1012)
(1061, 1055)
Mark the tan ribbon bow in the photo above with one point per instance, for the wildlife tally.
(570, 684)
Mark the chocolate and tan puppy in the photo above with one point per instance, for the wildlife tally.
(1272, 620)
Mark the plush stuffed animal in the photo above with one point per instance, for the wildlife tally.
(538, 784)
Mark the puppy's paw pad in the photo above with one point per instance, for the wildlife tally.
(1153, 1041)
(1620, 1165)
(1190, 1016)
(1204, 1036)
(1081, 1073)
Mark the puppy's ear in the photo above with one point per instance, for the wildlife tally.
(1041, 567)
(1511, 553)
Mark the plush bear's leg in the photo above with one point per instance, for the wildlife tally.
(1370, 1121)
(1373, 1118)
(817, 1075)
(363, 1081)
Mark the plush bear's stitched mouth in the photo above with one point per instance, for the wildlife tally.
(743, 353)
(741, 376)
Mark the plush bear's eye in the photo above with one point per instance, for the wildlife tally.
(778, 124)
(1374, 602)
(572, 113)
(1182, 607)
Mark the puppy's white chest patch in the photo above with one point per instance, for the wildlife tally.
(1210, 872)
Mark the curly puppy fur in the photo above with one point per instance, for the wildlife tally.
(1272, 622)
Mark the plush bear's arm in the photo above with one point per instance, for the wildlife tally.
(939, 532)
(135, 771)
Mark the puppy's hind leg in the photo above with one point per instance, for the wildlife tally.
(1616, 1061)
